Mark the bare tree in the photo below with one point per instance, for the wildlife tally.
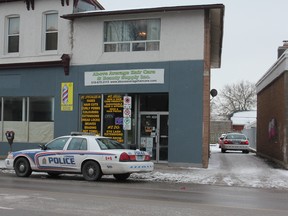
(234, 98)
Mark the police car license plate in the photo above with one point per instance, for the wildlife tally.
(139, 157)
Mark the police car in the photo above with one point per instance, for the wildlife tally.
(89, 155)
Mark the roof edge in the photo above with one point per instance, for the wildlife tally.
(141, 10)
(276, 70)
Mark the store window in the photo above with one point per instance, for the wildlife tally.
(14, 109)
(41, 109)
(13, 34)
(31, 118)
(103, 115)
(51, 31)
(154, 102)
(132, 35)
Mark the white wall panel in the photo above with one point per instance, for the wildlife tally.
(182, 38)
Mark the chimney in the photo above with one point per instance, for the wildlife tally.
(281, 49)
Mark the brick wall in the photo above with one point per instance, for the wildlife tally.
(219, 127)
(271, 105)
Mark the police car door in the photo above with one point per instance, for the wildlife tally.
(76, 151)
(53, 157)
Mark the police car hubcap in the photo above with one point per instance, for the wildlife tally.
(22, 167)
(91, 171)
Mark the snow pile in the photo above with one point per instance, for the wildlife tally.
(234, 169)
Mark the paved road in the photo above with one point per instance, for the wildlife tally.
(71, 195)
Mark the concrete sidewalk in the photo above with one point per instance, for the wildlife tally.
(2, 164)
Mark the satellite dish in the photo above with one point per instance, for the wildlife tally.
(213, 93)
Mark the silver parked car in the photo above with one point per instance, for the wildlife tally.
(235, 142)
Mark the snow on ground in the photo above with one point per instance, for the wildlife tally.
(234, 169)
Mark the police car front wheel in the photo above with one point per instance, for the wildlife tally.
(22, 167)
(91, 171)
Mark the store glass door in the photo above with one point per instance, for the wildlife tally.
(154, 135)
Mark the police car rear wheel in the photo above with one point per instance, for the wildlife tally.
(91, 171)
(22, 167)
(121, 177)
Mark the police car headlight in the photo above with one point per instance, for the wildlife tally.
(10, 156)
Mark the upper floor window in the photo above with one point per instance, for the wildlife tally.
(132, 35)
(13, 34)
(51, 31)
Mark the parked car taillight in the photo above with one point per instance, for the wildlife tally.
(228, 142)
(246, 142)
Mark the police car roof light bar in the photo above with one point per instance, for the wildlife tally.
(81, 133)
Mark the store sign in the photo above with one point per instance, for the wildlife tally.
(127, 105)
(126, 123)
(124, 77)
(91, 113)
(67, 96)
(113, 117)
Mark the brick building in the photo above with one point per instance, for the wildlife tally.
(272, 111)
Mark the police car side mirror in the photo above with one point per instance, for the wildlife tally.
(43, 147)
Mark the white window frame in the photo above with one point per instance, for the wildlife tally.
(6, 46)
(44, 33)
(146, 43)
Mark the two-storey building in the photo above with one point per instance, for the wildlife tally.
(35, 48)
(140, 76)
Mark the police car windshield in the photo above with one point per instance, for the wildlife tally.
(105, 143)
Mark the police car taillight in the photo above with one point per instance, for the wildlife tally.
(125, 157)
(147, 158)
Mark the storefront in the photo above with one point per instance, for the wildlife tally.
(140, 121)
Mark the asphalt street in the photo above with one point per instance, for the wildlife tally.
(72, 195)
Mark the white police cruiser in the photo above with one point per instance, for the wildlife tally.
(91, 155)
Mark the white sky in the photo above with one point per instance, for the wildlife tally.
(253, 31)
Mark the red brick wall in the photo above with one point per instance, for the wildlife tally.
(271, 104)
(238, 128)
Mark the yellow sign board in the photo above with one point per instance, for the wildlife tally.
(67, 96)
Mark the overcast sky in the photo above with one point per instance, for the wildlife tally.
(253, 30)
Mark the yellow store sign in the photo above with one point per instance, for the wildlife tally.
(67, 96)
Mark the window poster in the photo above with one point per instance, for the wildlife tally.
(113, 117)
(91, 114)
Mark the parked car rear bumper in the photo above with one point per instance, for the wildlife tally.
(235, 147)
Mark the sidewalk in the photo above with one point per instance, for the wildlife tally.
(2, 164)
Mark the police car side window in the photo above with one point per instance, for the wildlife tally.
(77, 144)
(57, 144)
